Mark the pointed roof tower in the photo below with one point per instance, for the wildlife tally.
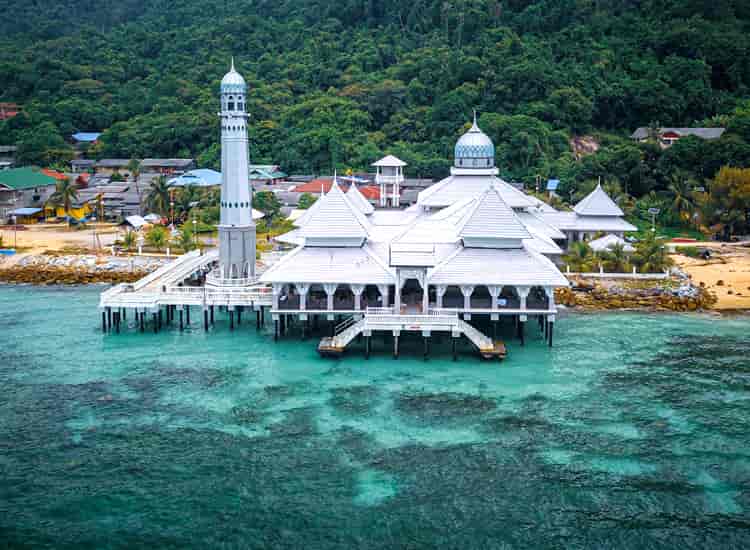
(597, 203)
(491, 223)
(335, 222)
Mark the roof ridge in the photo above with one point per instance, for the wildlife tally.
(490, 207)
(597, 203)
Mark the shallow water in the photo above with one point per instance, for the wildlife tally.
(632, 432)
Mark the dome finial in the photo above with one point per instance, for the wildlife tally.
(232, 69)
(475, 126)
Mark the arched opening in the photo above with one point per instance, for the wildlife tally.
(343, 298)
(371, 297)
(508, 298)
(230, 103)
(537, 298)
(316, 297)
(453, 298)
(289, 298)
(481, 298)
(411, 297)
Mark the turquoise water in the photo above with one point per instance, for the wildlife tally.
(632, 432)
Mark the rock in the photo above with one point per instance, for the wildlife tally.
(720, 282)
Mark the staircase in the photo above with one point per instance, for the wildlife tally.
(344, 333)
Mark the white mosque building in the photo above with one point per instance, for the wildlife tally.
(472, 251)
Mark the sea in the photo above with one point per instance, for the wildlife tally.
(632, 431)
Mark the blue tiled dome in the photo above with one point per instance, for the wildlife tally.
(474, 150)
(233, 82)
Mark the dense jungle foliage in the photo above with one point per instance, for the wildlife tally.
(340, 82)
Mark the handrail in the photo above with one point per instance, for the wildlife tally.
(342, 326)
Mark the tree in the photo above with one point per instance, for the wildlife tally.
(729, 200)
(157, 237)
(134, 167)
(580, 258)
(650, 254)
(615, 259)
(64, 195)
(306, 200)
(185, 239)
(268, 203)
(157, 197)
(680, 190)
(129, 240)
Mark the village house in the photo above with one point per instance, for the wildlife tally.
(669, 136)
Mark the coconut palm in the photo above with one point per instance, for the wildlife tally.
(157, 237)
(580, 257)
(157, 197)
(680, 191)
(185, 199)
(615, 259)
(64, 195)
(185, 239)
(650, 255)
(129, 240)
(134, 167)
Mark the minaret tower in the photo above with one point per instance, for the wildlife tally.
(236, 228)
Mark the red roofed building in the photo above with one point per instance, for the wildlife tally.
(54, 174)
(314, 187)
(9, 110)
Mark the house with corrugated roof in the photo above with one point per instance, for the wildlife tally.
(24, 188)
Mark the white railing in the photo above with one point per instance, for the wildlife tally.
(379, 311)
(345, 324)
(218, 279)
(165, 269)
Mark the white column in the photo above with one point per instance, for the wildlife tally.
(397, 297)
(467, 291)
(276, 288)
(523, 293)
(550, 292)
(425, 296)
(357, 290)
(303, 289)
(330, 289)
(494, 291)
(384, 294)
(440, 291)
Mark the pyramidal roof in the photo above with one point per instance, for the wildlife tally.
(335, 218)
(359, 200)
(491, 218)
(389, 160)
(597, 203)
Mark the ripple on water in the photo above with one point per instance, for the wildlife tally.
(631, 438)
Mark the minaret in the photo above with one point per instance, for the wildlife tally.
(236, 228)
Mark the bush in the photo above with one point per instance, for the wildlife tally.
(157, 237)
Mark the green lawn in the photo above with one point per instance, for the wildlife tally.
(666, 231)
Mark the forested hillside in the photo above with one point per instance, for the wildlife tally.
(342, 82)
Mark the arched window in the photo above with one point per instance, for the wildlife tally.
(230, 105)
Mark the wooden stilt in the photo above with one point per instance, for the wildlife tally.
(426, 347)
(231, 319)
(395, 347)
(156, 322)
(109, 318)
(367, 347)
(142, 315)
(453, 347)
(211, 309)
(551, 326)
(182, 326)
(205, 320)
(187, 315)
(239, 315)
(520, 332)
(104, 321)
(257, 320)
(275, 329)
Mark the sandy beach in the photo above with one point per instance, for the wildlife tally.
(727, 275)
(41, 238)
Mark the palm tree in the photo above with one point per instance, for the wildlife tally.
(157, 237)
(680, 191)
(129, 239)
(650, 255)
(64, 195)
(134, 167)
(185, 239)
(580, 257)
(157, 197)
(615, 259)
(186, 198)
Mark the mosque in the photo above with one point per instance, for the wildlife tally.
(473, 251)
